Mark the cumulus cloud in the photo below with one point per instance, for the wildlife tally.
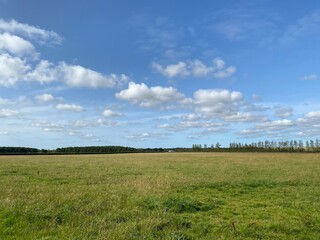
(310, 119)
(12, 70)
(44, 72)
(44, 98)
(70, 107)
(16, 45)
(19, 61)
(216, 101)
(78, 76)
(195, 68)
(110, 113)
(310, 77)
(37, 34)
(173, 70)
(74, 75)
(144, 96)
(6, 113)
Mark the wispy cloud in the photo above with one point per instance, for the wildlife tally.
(284, 112)
(243, 23)
(303, 27)
(155, 33)
(310, 77)
(195, 68)
(70, 107)
(6, 113)
(37, 34)
(147, 136)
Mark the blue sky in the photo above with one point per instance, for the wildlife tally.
(158, 73)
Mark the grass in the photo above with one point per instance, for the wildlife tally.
(161, 196)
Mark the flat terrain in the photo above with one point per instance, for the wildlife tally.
(161, 196)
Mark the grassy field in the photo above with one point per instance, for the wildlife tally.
(160, 196)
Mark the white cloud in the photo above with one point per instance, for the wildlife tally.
(315, 114)
(78, 76)
(215, 101)
(195, 68)
(48, 126)
(4, 101)
(310, 77)
(216, 96)
(109, 113)
(173, 70)
(74, 75)
(310, 119)
(146, 136)
(275, 125)
(228, 72)
(275, 129)
(243, 117)
(69, 107)
(199, 69)
(183, 125)
(5, 113)
(44, 98)
(142, 95)
(218, 63)
(15, 66)
(4, 133)
(250, 133)
(16, 45)
(81, 124)
(44, 72)
(284, 112)
(31, 32)
(12, 70)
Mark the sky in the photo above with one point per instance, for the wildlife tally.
(158, 73)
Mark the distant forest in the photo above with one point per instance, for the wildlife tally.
(261, 146)
(265, 146)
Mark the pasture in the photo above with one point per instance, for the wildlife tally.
(160, 196)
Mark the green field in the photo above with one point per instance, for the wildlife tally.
(161, 196)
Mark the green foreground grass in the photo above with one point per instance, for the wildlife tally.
(160, 196)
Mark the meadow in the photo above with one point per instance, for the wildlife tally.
(160, 196)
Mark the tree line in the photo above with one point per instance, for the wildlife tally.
(96, 149)
(265, 146)
(19, 150)
(260, 146)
